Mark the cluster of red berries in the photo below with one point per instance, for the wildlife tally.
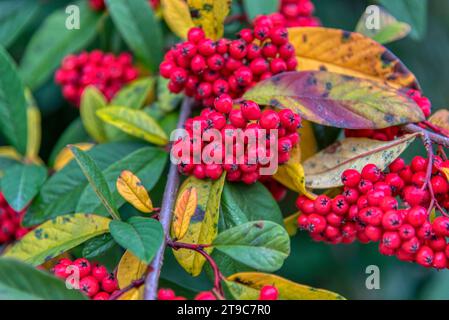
(368, 210)
(206, 69)
(107, 72)
(94, 279)
(296, 13)
(11, 228)
(100, 5)
(241, 158)
(388, 134)
(266, 293)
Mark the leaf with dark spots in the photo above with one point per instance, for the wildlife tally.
(337, 100)
(349, 53)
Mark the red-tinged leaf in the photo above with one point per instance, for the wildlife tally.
(337, 100)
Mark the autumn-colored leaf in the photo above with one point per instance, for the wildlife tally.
(10, 153)
(247, 285)
(210, 15)
(445, 171)
(177, 16)
(131, 189)
(337, 100)
(184, 209)
(34, 128)
(65, 156)
(308, 141)
(324, 170)
(349, 53)
(203, 227)
(387, 29)
(291, 224)
(441, 119)
(291, 175)
(130, 269)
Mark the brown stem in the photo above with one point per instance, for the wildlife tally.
(434, 137)
(165, 215)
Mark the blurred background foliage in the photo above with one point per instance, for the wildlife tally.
(337, 268)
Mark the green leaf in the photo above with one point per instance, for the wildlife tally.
(91, 101)
(134, 94)
(62, 192)
(337, 100)
(13, 107)
(389, 29)
(236, 209)
(57, 236)
(14, 16)
(98, 246)
(262, 245)
(253, 8)
(74, 133)
(142, 236)
(413, 12)
(96, 179)
(139, 28)
(21, 183)
(134, 122)
(20, 281)
(166, 100)
(148, 163)
(53, 41)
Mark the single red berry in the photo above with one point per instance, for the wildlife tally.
(439, 260)
(391, 220)
(246, 35)
(206, 47)
(101, 296)
(195, 35)
(406, 231)
(205, 295)
(238, 49)
(237, 119)
(250, 110)
(317, 223)
(350, 178)
(99, 272)
(425, 256)
(261, 32)
(109, 284)
(268, 293)
(278, 65)
(269, 50)
(83, 266)
(419, 164)
(373, 233)
(322, 204)
(339, 205)
(439, 185)
(165, 294)
(397, 165)
(371, 172)
(441, 226)
(89, 286)
(214, 171)
(411, 245)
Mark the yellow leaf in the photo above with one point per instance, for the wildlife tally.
(349, 53)
(246, 285)
(177, 16)
(131, 189)
(184, 209)
(34, 127)
(134, 122)
(210, 15)
(57, 236)
(291, 175)
(65, 155)
(203, 227)
(445, 171)
(324, 169)
(291, 224)
(308, 141)
(441, 119)
(93, 100)
(129, 269)
(133, 294)
(10, 152)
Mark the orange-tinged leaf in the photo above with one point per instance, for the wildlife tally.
(445, 171)
(184, 209)
(177, 16)
(9, 152)
(247, 285)
(210, 15)
(337, 100)
(349, 53)
(131, 189)
(65, 156)
(324, 170)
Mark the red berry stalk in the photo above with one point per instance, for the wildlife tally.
(368, 210)
(107, 72)
(11, 228)
(94, 279)
(205, 69)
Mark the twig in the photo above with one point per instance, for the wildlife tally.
(135, 284)
(165, 215)
(434, 137)
(218, 276)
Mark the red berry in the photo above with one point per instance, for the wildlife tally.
(350, 178)
(205, 295)
(165, 294)
(371, 172)
(101, 296)
(322, 204)
(317, 223)
(195, 35)
(224, 103)
(425, 256)
(439, 185)
(89, 286)
(250, 110)
(99, 272)
(83, 266)
(441, 226)
(109, 284)
(268, 293)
